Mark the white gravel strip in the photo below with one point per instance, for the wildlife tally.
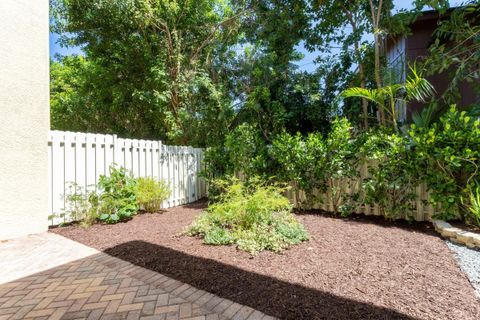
(469, 261)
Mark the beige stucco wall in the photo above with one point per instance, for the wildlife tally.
(24, 116)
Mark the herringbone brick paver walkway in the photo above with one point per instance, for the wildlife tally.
(104, 287)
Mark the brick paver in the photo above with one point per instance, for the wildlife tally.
(104, 287)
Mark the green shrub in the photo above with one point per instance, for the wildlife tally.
(150, 193)
(118, 201)
(246, 151)
(314, 163)
(393, 173)
(341, 166)
(254, 217)
(444, 155)
(217, 187)
(216, 163)
(449, 156)
(300, 160)
(243, 152)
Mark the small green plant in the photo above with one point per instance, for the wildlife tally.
(254, 217)
(473, 214)
(81, 204)
(118, 201)
(150, 193)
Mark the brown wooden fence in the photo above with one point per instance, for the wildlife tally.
(421, 210)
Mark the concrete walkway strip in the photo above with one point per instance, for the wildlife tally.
(24, 256)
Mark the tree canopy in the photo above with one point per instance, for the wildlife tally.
(192, 71)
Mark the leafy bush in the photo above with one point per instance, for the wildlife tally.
(392, 173)
(118, 201)
(243, 152)
(300, 160)
(341, 165)
(216, 163)
(449, 156)
(217, 187)
(246, 151)
(254, 217)
(444, 155)
(150, 193)
(314, 163)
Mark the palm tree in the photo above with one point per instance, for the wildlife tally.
(416, 88)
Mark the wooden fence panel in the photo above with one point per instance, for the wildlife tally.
(422, 210)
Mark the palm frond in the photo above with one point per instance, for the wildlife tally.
(374, 95)
(417, 87)
(392, 90)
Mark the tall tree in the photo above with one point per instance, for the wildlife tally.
(341, 24)
(264, 72)
(152, 63)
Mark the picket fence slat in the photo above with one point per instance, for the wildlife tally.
(79, 159)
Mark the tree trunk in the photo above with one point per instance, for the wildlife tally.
(376, 36)
(378, 78)
(364, 104)
(361, 73)
(361, 70)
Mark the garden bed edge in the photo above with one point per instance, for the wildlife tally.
(457, 235)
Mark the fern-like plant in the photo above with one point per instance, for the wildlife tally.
(254, 216)
(426, 117)
(473, 216)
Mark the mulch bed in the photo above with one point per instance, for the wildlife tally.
(357, 268)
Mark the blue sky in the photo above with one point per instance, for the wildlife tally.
(56, 48)
(305, 64)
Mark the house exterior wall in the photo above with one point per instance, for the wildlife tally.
(397, 65)
(396, 58)
(417, 45)
(416, 48)
(24, 116)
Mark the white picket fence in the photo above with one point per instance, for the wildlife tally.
(80, 158)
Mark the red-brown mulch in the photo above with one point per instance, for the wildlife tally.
(358, 268)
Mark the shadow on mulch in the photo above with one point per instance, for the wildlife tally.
(269, 295)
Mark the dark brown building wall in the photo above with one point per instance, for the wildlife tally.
(417, 46)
